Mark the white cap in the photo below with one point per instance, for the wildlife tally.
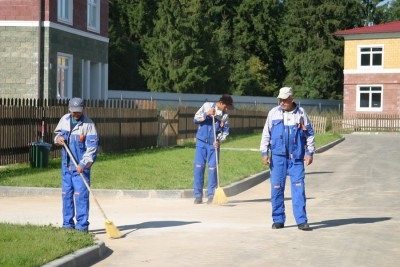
(285, 92)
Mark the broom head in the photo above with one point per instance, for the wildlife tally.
(111, 230)
(219, 196)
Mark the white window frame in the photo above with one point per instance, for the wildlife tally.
(64, 75)
(65, 11)
(372, 53)
(372, 90)
(93, 15)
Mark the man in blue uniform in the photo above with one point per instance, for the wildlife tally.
(206, 145)
(79, 133)
(289, 136)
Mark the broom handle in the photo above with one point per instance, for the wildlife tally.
(216, 149)
(84, 181)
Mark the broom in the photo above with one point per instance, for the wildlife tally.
(219, 195)
(111, 230)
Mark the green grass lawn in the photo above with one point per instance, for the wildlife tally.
(160, 168)
(29, 245)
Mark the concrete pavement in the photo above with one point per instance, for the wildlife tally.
(353, 207)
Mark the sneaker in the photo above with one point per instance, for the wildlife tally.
(210, 200)
(277, 225)
(198, 200)
(304, 227)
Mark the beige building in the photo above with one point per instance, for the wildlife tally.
(371, 69)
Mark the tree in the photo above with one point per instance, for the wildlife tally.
(313, 56)
(258, 66)
(129, 20)
(176, 57)
(392, 11)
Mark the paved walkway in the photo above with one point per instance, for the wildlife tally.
(353, 194)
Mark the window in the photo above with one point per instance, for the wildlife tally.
(369, 98)
(93, 15)
(64, 11)
(64, 76)
(371, 57)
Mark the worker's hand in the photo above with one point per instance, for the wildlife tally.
(265, 160)
(79, 169)
(60, 140)
(308, 160)
(216, 144)
(211, 112)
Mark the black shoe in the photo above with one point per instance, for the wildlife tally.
(304, 227)
(198, 200)
(277, 225)
(210, 200)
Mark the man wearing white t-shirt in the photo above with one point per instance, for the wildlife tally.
(287, 143)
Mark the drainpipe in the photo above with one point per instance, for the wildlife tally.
(40, 52)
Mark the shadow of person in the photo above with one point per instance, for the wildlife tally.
(341, 222)
(145, 225)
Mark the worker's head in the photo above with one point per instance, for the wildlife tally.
(76, 107)
(286, 98)
(225, 102)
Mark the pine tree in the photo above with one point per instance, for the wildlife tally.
(313, 56)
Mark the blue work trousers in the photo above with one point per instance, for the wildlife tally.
(75, 198)
(205, 153)
(281, 166)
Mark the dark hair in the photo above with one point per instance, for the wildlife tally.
(227, 100)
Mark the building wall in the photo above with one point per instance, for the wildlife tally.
(82, 48)
(388, 76)
(19, 49)
(80, 15)
(391, 91)
(22, 10)
(391, 52)
(18, 64)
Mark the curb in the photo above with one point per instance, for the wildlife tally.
(83, 257)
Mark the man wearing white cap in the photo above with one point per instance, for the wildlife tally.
(79, 133)
(287, 143)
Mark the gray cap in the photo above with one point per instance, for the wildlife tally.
(76, 104)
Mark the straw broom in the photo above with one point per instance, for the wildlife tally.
(111, 230)
(219, 195)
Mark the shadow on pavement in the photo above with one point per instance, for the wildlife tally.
(144, 225)
(342, 222)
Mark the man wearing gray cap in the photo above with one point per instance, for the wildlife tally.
(79, 133)
(289, 137)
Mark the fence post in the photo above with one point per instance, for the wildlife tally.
(168, 128)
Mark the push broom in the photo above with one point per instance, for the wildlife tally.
(111, 230)
(219, 195)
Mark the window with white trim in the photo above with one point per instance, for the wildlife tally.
(93, 15)
(64, 76)
(369, 98)
(64, 11)
(371, 56)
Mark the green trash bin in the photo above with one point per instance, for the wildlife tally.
(39, 154)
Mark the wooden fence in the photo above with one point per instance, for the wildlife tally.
(366, 122)
(121, 125)
(129, 124)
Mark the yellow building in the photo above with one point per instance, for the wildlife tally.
(371, 69)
